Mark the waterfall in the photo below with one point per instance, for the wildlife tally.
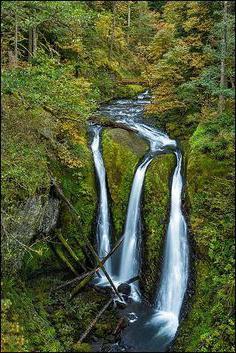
(103, 218)
(130, 257)
(152, 329)
(129, 264)
(174, 275)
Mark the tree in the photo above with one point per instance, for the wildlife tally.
(223, 56)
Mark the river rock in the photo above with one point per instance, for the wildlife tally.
(124, 288)
(125, 297)
(119, 304)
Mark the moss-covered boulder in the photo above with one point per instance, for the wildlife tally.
(122, 151)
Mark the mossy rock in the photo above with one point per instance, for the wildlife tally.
(209, 323)
(122, 152)
(155, 216)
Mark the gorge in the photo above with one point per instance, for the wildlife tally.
(169, 298)
(118, 169)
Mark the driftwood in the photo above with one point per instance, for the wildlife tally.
(90, 246)
(93, 323)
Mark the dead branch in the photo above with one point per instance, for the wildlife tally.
(79, 278)
(95, 270)
(93, 323)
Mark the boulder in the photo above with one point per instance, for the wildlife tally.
(124, 288)
(35, 218)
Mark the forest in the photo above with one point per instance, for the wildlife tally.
(75, 75)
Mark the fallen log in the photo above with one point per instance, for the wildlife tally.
(93, 323)
(70, 251)
(79, 278)
(65, 260)
(133, 279)
(81, 285)
(86, 252)
(106, 122)
(120, 326)
(96, 269)
(99, 262)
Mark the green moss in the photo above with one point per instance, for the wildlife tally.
(24, 167)
(82, 347)
(155, 214)
(37, 331)
(120, 164)
(45, 320)
(78, 185)
(122, 152)
(209, 324)
(40, 257)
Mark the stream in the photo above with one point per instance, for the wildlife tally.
(153, 327)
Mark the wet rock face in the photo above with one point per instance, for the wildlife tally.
(37, 217)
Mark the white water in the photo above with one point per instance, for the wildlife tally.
(130, 258)
(165, 319)
(103, 219)
(174, 276)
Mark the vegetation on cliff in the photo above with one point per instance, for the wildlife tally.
(60, 61)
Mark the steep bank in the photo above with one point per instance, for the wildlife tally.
(35, 261)
(209, 193)
(60, 61)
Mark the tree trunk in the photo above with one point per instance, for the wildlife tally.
(16, 41)
(128, 14)
(93, 323)
(112, 30)
(223, 55)
(30, 53)
(32, 42)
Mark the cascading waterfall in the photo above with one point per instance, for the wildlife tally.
(103, 219)
(174, 276)
(129, 264)
(157, 326)
(130, 257)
